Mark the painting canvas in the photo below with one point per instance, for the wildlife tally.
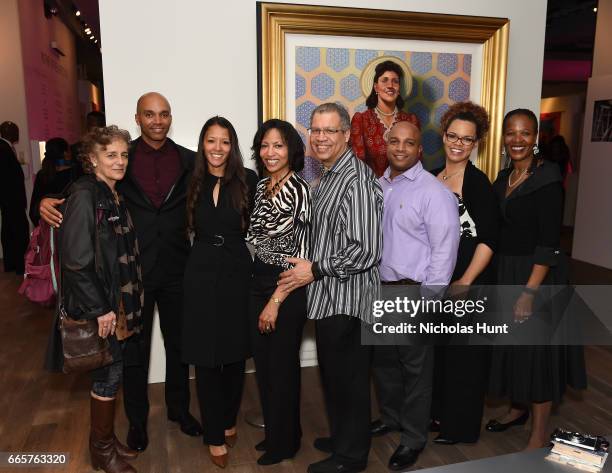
(602, 121)
(310, 54)
(339, 74)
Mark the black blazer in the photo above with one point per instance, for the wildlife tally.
(12, 184)
(481, 203)
(161, 232)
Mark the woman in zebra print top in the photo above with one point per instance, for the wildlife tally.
(279, 229)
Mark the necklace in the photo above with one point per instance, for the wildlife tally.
(272, 191)
(448, 176)
(386, 114)
(381, 117)
(521, 175)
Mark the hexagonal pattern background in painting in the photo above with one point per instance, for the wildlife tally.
(334, 75)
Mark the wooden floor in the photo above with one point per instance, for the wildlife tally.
(42, 412)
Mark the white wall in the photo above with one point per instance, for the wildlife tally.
(602, 59)
(12, 84)
(203, 56)
(593, 230)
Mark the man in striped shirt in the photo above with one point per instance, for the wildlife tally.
(344, 281)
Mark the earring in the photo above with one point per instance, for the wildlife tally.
(536, 150)
(503, 153)
(94, 165)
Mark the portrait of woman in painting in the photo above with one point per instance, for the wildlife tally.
(385, 102)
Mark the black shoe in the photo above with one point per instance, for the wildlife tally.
(444, 441)
(324, 444)
(404, 457)
(378, 428)
(269, 459)
(261, 446)
(189, 425)
(332, 465)
(137, 438)
(496, 426)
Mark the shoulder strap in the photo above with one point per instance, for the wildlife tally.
(52, 262)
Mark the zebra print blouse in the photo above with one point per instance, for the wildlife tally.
(280, 226)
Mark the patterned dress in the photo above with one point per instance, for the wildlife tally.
(279, 226)
(368, 137)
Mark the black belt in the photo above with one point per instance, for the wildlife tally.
(401, 282)
(217, 240)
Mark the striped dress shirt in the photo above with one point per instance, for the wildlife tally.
(346, 241)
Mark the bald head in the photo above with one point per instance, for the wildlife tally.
(149, 97)
(154, 117)
(402, 127)
(403, 147)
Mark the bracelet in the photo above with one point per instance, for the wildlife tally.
(276, 300)
(529, 290)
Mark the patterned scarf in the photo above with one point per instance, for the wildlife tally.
(130, 276)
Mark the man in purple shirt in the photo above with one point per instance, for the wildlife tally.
(420, 241)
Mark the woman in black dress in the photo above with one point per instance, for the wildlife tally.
(530, 195)
(279, 230)
(215, 333)
(460, 371)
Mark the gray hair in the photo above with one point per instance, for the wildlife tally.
(345, 119)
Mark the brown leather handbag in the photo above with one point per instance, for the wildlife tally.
(84, 350)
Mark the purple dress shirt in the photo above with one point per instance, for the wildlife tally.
(420, 228)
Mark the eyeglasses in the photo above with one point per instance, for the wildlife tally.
(325, 131)
(464, 140)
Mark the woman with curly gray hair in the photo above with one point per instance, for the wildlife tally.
(101, 280)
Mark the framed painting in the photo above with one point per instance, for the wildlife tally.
(308, 55)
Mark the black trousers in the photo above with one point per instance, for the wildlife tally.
(344, 364)
(168, 295)
(219, 394)
(15, 237)
(277, 361)
(403, 381)
(460, 382)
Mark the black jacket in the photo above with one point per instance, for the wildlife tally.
(12, 183)
(481, 203)
(88, 251)
(162, 238)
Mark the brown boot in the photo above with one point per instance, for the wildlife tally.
(102, 446)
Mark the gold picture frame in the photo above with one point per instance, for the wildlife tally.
(276, 20)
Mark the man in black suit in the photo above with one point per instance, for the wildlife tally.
(13, 201)
(155, 189)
